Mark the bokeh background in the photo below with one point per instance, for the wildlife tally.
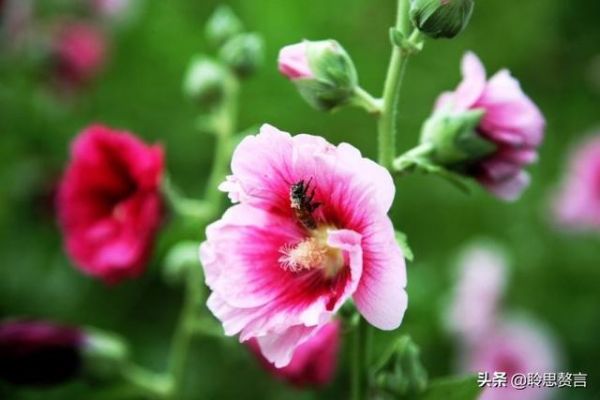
(550, 45)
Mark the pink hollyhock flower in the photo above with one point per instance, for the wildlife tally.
(577, 205)
(515, 346)
(314, 361)
(39, 353)
(109, 203)
(311, 230)
(80, 52)
(293, 61)
(511, 121)
(482, 280)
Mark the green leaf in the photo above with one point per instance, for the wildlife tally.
(403, 243)
(453, 388)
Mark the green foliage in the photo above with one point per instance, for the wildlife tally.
(556, 275)
(455, 388)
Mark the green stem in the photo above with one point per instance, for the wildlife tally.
(391, 91)
(185, 331)
(356, 364)
(187, 327)
(360, 360)
(411, 157)
(144, 382)
(366, 101)
(225, 129)
(191, 209)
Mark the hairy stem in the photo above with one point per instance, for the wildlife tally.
(391, 91)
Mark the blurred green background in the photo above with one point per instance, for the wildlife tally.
(550, 45)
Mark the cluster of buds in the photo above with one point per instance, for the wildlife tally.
(240, 53)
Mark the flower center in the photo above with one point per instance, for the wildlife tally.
(312, 253)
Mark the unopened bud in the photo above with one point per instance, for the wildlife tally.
(104, 355)
(204, 81)
(322, 71)
(222, 26)
(243, 53)
(400, 370)
(454, 139)
(441, 18)
(39, 353)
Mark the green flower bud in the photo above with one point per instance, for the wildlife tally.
(400, 370)
(104, 355)
(322, 71)
(222, 26)
(441, 18)
(243, 53)
(204, 81)
(454, 138)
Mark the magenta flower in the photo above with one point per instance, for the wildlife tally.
(39, 353)
(314, 361)
(514, 346)
(293, 61)
(511, 121)
(577, 205)
(311, 231)
(109, 203)
(476, 303)
(80, 51)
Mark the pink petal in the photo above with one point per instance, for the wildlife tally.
(510, 110)
(293, 61)
(510, 189)
(380, 296)
(473, 84)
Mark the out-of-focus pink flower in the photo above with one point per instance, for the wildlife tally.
(311, 231)
(110, 7)
(39, 353)
(115, 10)
(80, 51)
(511, 121)
(16, 23)
(314, 361)
(109, 203)
(577, 205)
(514, 346)
(475, 306)
(293, 61)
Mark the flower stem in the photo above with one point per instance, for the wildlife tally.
(391, 91)
(225, 128)
(185, 332)
(411, 157)
(144, 382)
(189, 320)
(360, 360)
(366, 101)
